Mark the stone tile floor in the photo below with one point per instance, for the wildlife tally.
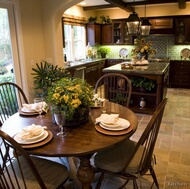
(172, 148)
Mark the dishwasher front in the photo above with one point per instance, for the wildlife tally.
(79, 72)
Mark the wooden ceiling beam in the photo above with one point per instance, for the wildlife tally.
(129, 7)
(182, 4)
(98, 7)
(121, 4)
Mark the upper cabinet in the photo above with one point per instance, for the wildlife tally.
(94, 34)
(161, 26)
(119, 33)
(106, 34)
(182, 31)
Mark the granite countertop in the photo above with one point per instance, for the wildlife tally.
(82, 63)
(155, 68)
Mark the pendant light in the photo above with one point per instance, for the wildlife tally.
(133, 24)
(145, 25)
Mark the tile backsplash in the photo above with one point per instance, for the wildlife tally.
(163, 44)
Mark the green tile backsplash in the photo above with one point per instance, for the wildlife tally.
(163, 44)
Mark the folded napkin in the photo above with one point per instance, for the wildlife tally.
(36, 106)
(109, 119)
(30, 131)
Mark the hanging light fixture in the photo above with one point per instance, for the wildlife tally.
(145, 25)
(133, 24)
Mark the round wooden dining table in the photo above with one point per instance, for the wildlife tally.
(81, 141)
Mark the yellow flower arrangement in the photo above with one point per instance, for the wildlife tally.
(73, 95)
(143, 47)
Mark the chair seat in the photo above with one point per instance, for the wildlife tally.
(52, 173)
(114, 159)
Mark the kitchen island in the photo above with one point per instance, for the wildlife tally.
(156, 71)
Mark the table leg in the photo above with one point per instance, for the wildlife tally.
(85, 172)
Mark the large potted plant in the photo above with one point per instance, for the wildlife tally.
(44, 75)
(72, 95)
(143, 49)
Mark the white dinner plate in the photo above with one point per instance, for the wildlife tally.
(33, 138)
(121, 125)
(17, 138)
(123, 52)
(119, 122)
(118, 128)
(27, 110)
(185, 53)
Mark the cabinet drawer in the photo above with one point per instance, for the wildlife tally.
(182, 72)
(181, 66)
(181, 79)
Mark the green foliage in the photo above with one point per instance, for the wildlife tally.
(44, 75)
(92, 19)
(105, 19)
(147, 84)
(9, 77)
(103, 51)
(71, 95)
(120, 98)
(3, 70)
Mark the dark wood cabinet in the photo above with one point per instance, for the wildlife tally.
(161, 26)
(119, 32)
(182, 31)
(161, 23)
(93, 72)
(93, 34)
(106, 34)
(179, 74)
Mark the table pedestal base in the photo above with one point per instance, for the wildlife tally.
(85, 172)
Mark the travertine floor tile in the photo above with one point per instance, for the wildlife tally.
(172, 148)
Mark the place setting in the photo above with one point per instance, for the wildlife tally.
(33, 136)
(39, 107)
(112, 124)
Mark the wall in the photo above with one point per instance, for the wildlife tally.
(40, 22)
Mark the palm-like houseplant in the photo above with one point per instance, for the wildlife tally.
(44, 75)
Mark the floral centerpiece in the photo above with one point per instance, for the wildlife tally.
(143, 48)
(74, 96)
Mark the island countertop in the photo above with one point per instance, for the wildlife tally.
(157, 71)
(153, 68)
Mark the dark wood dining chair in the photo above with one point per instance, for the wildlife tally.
(19, 170)
(115, 87)
(11, 98)
(131, 160)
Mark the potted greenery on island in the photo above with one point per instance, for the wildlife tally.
(143, 84)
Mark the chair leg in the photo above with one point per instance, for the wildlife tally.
(135, 186)
(123, 186)
(98, 185)
(154, 177)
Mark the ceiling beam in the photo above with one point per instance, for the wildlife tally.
(182, 4)
(129, 6)
(121, 4)
(98, 7)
